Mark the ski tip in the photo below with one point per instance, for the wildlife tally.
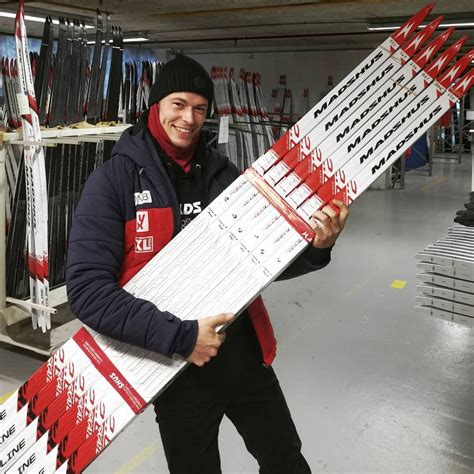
(464, 84)
(427, 8)
(412, 24)
(447, 79)
(432, 48)
(436, 66)
(449, 32)
(435, 23)
(415, 43)
(468, 57)
(461, 41)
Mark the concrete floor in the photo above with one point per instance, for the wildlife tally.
(373, 385)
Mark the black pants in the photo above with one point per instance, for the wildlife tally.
(238, 385)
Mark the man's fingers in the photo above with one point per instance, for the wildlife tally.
(220, 319)
(330, 212)
(344, 211)
(319, 217)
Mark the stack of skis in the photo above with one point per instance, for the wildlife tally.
(79, 401)
(71, 87)
(68, 89)
(242, 104)
(446, 288)
(43, 186)
(136, 88)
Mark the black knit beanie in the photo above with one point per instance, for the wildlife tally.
(182, 74)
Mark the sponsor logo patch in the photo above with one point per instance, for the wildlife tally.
(190, 208)
(144, 244)
(143, 198)
(142, 221)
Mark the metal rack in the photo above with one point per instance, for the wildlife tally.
(15, 325)
(452, 144)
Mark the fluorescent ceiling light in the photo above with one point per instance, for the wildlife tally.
(38, 19)
(125, 40)
(140, 39)
(379, 26)
(103, 42)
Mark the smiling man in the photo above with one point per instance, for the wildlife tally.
(160, 177)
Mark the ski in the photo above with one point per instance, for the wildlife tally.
(242, 139)
(35, 178)
(43, 64)
(115, 76)
(262, 112)
(93, 89)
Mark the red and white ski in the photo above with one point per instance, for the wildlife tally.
(37, 196)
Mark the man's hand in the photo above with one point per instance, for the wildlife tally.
(209, 341)
(328, 224)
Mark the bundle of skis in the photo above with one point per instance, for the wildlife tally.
(78, 402)
(68, 89)
(242, 103)
(67, 167)
(446, 288)
(135, 90)
(43, 186)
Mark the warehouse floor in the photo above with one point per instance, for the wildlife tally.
(373, 385)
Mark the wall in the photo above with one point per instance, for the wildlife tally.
(302, 69)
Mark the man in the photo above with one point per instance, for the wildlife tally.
(163, 167)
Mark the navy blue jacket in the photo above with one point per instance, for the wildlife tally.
(105, 250)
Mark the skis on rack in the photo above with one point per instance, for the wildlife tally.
(103, 67)
(45, 56)
(115, 76)
(37, 210)
(93, 89)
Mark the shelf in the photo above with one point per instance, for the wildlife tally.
(15, 321)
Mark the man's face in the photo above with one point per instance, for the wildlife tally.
(182, 115)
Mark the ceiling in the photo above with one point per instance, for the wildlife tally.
(245, 25)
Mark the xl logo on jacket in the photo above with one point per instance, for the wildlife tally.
(143, 198)
(144, 244)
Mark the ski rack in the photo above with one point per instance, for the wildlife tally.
(11, 310)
